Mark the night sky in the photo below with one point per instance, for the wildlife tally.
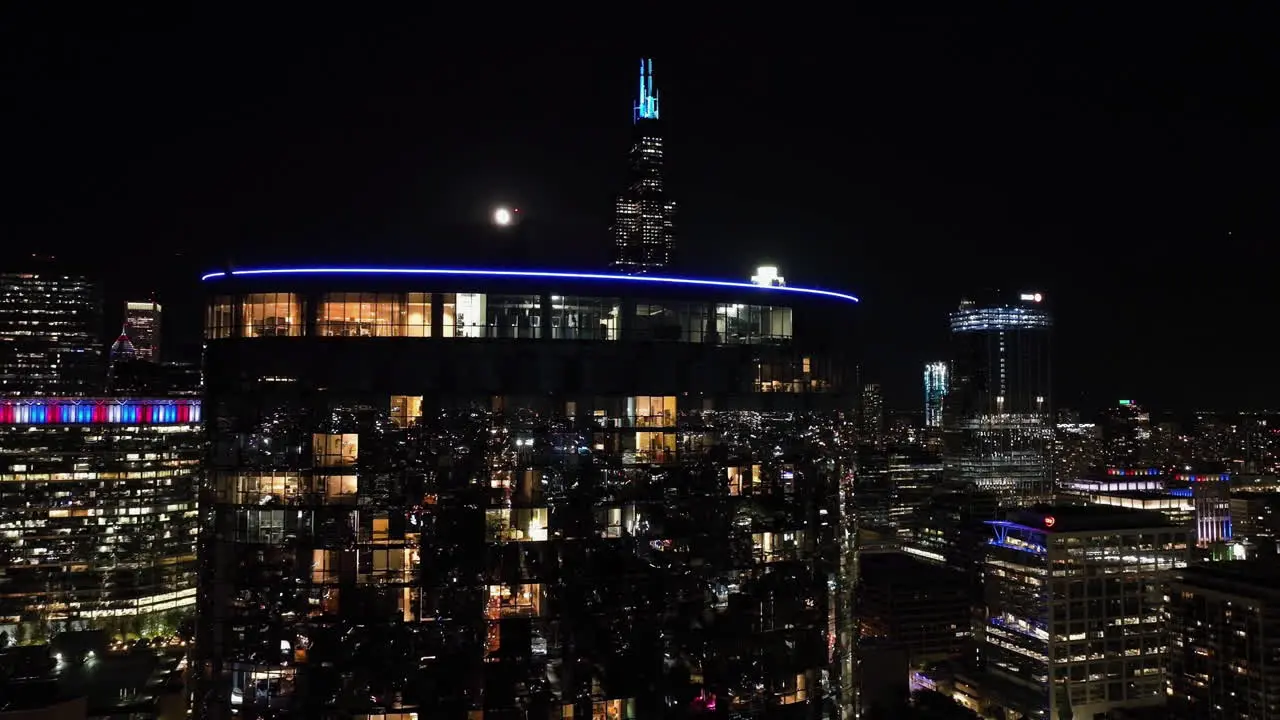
(1126, 167)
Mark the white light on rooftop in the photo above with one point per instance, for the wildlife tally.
(768, 275)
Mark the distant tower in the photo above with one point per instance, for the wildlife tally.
(872, 412)
(998, 415)
(642, 226)
(122, 353)
(142, 325)
(49, 323)
(936, 384)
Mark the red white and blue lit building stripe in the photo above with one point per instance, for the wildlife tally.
(99, 411)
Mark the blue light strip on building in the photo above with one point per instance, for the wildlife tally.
(543, 274)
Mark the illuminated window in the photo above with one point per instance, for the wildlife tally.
(584, 318)
(219, 318)
(324, 566)
(737, 323)
(613, 710)
(617, 522)
(271, 315)
(516, 525)
(417, 315)
(338, 489)
(771, 547)
(335, 450)
(742, 480)
(255, 489)
(374, 315)
(653, 447)
(652, 411)
(405, 409)
(260, 685)
(515, 600)
(464, 315)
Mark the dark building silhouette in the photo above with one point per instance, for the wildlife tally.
(524, 495)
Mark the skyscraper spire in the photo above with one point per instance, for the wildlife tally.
(642, 228)
(647, 100)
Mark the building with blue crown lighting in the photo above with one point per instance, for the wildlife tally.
(458, 493)
(98, 512)
(997, 417)
(643, 227)
(1075, 601)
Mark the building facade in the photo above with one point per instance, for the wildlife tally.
(998, 417)
(872, 413)
(464, 494)
(50, 321)
(98, 512)
(936, 383)
(643, 226)
(1074, 620)
(142, 325)
(1223, 660)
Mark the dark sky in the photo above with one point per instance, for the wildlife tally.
(1123, 166)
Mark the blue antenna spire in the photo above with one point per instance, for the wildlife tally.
(647, 102)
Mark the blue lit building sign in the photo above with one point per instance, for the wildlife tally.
(535, 274)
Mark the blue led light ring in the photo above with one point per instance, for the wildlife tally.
(535, 274)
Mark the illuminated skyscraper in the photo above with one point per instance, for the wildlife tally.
(642, 226)
(997, 418)
(142, 324)
(464, 494)
(49, 324)
(99, 501)
(936, 384)
(872, 412)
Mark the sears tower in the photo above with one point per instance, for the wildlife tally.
(642, 227)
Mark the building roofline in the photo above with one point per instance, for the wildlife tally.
(532, 274)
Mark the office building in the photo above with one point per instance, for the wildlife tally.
(441, 493)
(908, 603)
(142, 325)
(1224, 662)
(1126, 436)
(1074, 609)
(872, 413)
(1255, 518)
(1076, 451)
(997, 418)
(49, 325)
(936, 384)
(643, 231)
(97, 513)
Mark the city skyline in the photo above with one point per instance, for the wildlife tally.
(896, 204)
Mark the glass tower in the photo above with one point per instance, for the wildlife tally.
(98, 511)
(642, 228)
(485, 496)
(997, 419)
(49, 327)
(1073, 624)
(142, 325)
(936, 384)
